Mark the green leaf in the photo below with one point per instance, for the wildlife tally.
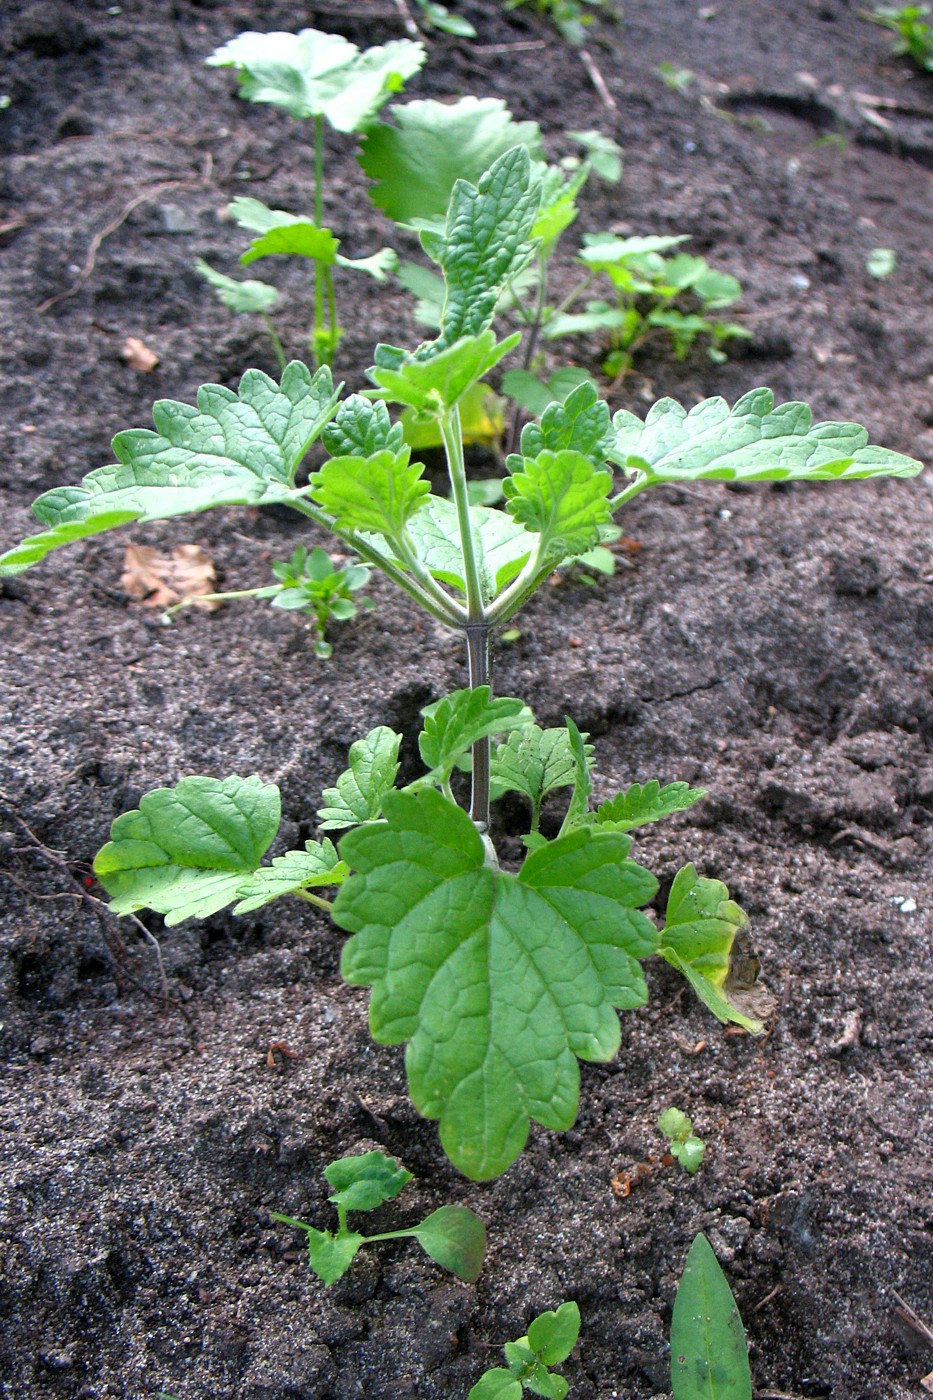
(534, 395)
(675, 1124)
(480, 412)
(579, 424)
(454, 724)
(247, 298)
(519, 1356)
(501, 545)
(553, 1335)
(603, 154)
(605, 252)
(186, 850)
(486, 243)
(233, 449)
(361, 428)
(300, 237)
(434, 385)
(689, 1153)
(639, 805)
(312, 74)
(709, 1355)
(541, 1382)
(455, 1238)
(357, 798)
(331, 1255)
(498, 981)
(317, 864)
(417, 161)
(365, 1182)
(754, 441)
(379, 493)
(579, 806)
(497, 1384)
(535, 762)
(563, 497)
(379, 265)
(700, 929)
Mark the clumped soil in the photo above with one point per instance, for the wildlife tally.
(773, 645)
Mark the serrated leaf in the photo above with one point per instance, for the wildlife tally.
(535, 761)
(331, 1255)
(562, 497)
(675, 1124)
(534, 395)
(754, 441)
(436, 384)
(689, 1153)
(605, 252)
(579, 805)
(186, 850)
(366, 1181)
(639, 804)
(455, 1238)
(379, 493)
(498, 981)
(232, 449)
(501, 545)
(553, 1335)
(358, 795)
(485, 245)
(361, 428)
(318, 864)
(579, 424)
(497, 1384)
(709, 1354)
(246, 297)
(314, 74)
(454, 724)
(417, 161)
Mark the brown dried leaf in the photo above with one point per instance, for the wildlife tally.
(159, 580)
(138, 355)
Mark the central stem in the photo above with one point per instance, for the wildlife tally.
(477, 638)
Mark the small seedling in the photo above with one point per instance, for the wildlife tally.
(433, 15)
(550, 1340)
(308, 582)
(913, 25)
(453, 1236)
(709, 1354)
(686, 1147)
(570, 17)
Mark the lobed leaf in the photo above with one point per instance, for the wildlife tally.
(454, 724)
(498, 981)
(434, 385)
(579, 424)
(232, 449)
(186, 850)
(312, 74)
(379, 493)
(418, 159)
(639, 804)
(535, 761)
(562, 497)
(709, 1354)
(366, 1181)
(361, 428)
(753, 441)
(318, 864)
(359, 792)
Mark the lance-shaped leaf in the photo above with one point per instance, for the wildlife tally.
(562, 497)
(453, 725)
(379, 493)
(232, 449)
(365, 1182)
(361, 428)
(486, 243)
(187, 850)
(246, 298)
(499, 982)
(312, 74)
(579, 424)
(701, 939)
(418, 159)
(709, 1354)
(639, 804)
(501, 545)
(754, 441)
(361, 788)
(318, 864)
(433, 385)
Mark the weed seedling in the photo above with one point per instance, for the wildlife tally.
(709, 1354)
(436, 16)
(550, 1340)
(913, 25)
(453, 1236)
(571, 18)
(686, 1148)
(500, 981)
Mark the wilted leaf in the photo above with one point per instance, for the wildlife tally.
(138, 355)
(159, 580)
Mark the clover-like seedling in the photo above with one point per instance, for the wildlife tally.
(500, 981)
(688, 1149)
(550, 1340)
(709, 1353)
(453, 1236)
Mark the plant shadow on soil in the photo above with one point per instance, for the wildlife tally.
(774, 646)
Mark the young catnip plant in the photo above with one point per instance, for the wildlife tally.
(453, 1236)
(499, 981)
(317, 77)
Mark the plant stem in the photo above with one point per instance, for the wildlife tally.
(277, 345)
(477, 638)
(318, 219)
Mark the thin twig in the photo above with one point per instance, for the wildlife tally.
(142, 198)
(408, 19)
(598, 81)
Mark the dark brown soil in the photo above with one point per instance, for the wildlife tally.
(774, 645)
